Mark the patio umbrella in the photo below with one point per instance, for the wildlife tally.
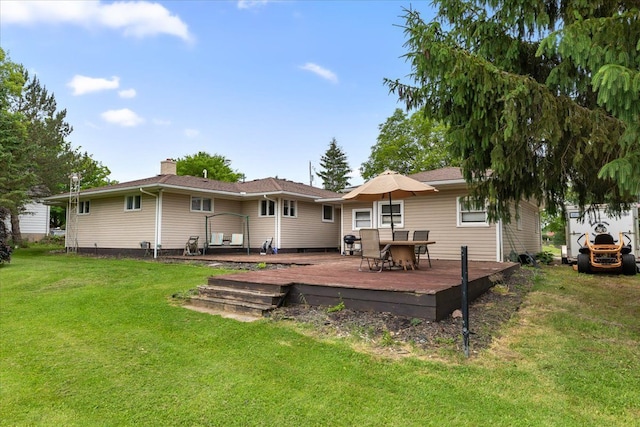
(389, 185)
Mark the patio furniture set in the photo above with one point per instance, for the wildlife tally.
(399, 252)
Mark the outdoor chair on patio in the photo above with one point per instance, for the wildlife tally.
(370, 246)
(401, 235)
(191, 247)
(421, 249)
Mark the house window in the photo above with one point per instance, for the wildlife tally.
(361, 218)
(327, 213)
(267, 208)
(387, 211)
(200, 204)
(132, 203)
(83, 207)
(469, 214)
(289, 208)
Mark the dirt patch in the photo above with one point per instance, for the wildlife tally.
(391, 335)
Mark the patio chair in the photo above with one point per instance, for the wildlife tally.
(370, 250)
(191, 247)
(216, 239)
(401, 235)
(237, 239)
(421, 249)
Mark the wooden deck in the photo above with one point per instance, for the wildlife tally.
(328, 279)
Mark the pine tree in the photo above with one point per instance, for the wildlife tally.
(542, 93)
(335, 168)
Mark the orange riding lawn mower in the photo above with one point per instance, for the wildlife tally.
(606, 255)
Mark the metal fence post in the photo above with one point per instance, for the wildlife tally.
(465, 302)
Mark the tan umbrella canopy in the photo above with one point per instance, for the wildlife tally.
(389, 185)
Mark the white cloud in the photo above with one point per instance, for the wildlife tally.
(123, 117)
(134, 18)
(191, 133)
(320, 71)
(127, 93)
(161, 122)
(83, 84)
(250, 4)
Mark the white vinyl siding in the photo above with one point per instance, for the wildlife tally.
(109, 226)
(307, 230)
(437, 213)
(523, 234)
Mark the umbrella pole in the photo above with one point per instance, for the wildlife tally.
(391, 212)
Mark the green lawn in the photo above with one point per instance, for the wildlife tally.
(88, 342)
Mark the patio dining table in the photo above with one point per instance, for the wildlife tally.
(403, 251)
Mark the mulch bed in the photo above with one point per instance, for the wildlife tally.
(391, 335)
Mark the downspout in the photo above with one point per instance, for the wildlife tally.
(499, 241)
(156, 233)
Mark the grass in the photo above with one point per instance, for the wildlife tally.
(87, 341)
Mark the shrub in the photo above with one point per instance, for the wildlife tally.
(5, 252)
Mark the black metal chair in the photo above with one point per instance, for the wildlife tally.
(401, 235)
(421, 249)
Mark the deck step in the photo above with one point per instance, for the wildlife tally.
(257, 302)
(247, 295)
(231, 306)
(217, 281)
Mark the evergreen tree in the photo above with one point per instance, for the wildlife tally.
(335, 168)
(543, 93)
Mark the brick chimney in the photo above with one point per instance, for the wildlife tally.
(168, 167)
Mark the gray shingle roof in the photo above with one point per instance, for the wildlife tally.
(257, 187)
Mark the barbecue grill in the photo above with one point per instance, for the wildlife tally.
(350, 243)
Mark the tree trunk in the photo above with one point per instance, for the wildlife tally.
(16, 235)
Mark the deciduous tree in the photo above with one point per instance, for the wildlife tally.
(408, 145)
(335, 168)
(217, 167)
(543, 93)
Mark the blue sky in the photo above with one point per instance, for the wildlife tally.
(267, 84)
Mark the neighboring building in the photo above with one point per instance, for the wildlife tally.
(450, 222)
(165, 210)
(34, 221)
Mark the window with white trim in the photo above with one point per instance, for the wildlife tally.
(327, 213)
(386, 211)
(201, 204)
(267, 208)
(133, 203)
(289, 208)
(361, 218)
(469, 214)
(83, 207)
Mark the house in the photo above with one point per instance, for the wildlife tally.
(34, 221)
(451, 223)
(161, 213)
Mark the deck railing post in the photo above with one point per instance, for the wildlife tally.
(465, 302)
